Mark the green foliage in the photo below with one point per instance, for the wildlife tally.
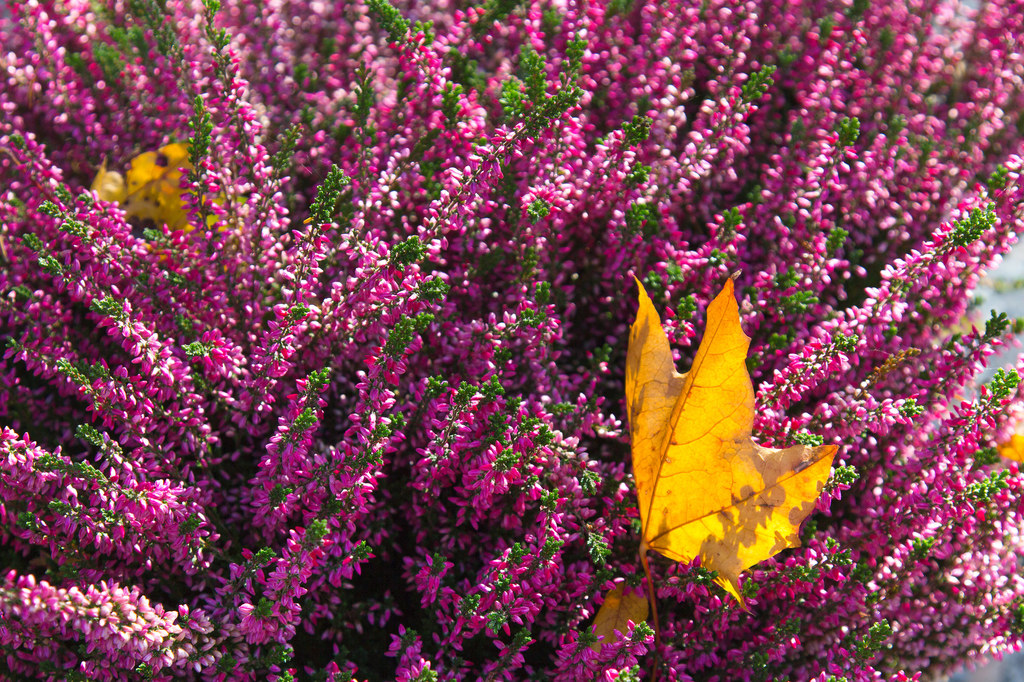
(845, 343)
(110, 61)
(550, 549)
(400, 337)
(531, 65)
(197, 349)
(981, 492)
(302, 423)
(317, 379)
(201, 124)
(876, 639)
(845, 475)
(619, 8)
(494, 11)
(450, 102)
(825, 27)
(758, 84)
(731, 219)
(910, 408)
(315, 533)
(804, 438)
(849, 131)
(637, 130)
(798, 302)
(968, 230)
(152, 15)
(537, 210)
(597, 548)
(218, 37)
(786, 279)
(1004, 383)
(637, 217)
(76, 228)
(434, 289)
(1017, 624)
(856, 10)
(998, 179)
(391, 20)
(327, 194)
(190, 524)
(996, 325)
(512, 100)
(986, 457)
(109, 307)
(412, 250)
(921, 547)
(365, 99)
(278, 494)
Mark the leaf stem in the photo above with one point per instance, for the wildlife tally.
(654, 609)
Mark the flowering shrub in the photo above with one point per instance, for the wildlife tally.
(359, 413)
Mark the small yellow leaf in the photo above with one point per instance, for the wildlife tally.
(618, 610)
(1013, 448)
(153, 186)
(704, 487)
(150, 189)
(109, 185)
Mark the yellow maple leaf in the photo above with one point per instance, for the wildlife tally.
(154, 186)
(109, 185)
(704, 487)
(618, 610)
(1013, 448)
(150, 190)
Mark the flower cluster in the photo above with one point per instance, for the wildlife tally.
(358, 413)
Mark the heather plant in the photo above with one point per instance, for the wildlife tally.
(359, 412)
